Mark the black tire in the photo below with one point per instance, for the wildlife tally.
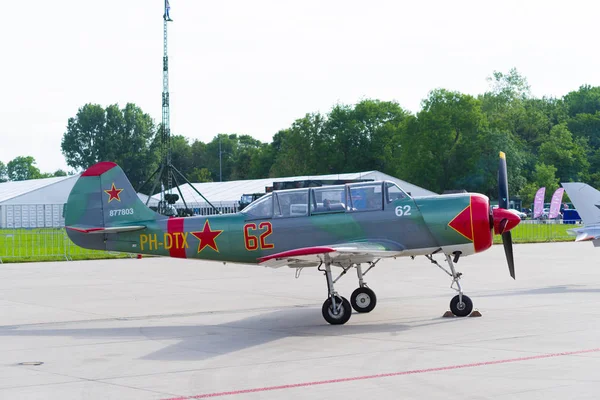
(461, 309)
(345, 311)
(363, 300)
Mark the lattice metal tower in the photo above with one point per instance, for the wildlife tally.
(166, 168)
(166, 111)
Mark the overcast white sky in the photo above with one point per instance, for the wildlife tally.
(253, 67)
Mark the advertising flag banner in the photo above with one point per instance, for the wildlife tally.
(555, 203)
(538, 202)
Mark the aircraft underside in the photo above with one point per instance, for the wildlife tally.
(337, 310)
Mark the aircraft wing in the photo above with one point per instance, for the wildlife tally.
(587, 233)
(344, 254)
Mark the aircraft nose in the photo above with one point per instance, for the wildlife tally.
(504, 220)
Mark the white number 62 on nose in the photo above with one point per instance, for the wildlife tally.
(402, 211)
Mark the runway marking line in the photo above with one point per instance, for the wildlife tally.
(385, 375)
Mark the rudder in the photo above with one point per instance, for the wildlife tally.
(103, 201)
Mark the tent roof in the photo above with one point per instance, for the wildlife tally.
(12, 189)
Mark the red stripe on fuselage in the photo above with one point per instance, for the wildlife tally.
(480, 218)
(175, 225)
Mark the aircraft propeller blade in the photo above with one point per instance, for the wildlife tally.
(502, 183)
(503, 203)
(508, 250)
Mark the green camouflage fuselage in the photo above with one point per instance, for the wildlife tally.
(104, 212)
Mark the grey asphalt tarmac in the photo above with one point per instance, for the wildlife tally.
(160, 328)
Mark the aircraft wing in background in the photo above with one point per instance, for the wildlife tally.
(586, 233)
(586, 200)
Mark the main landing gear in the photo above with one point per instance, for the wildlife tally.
(337, 309)
(460, 305)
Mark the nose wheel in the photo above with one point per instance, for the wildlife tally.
(461, 307)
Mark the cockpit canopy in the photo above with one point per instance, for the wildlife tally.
(354, 197)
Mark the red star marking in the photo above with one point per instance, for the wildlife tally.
(462, 223)
(113, 193)
(207, 237)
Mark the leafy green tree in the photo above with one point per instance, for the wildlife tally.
(3, 172)
(200, 175)
(84, 142)
(441, 147)
(363, 137)
(586, 126)
(181, 155)
(297, 154)
(198, 154)
(568, 156)
(59, 172)
(586, 100)
(543, 176)
(23, 168)
(503, 104)
(245, 151)
(485, 173)
(125, 136)
(219, 156)
(262, 160)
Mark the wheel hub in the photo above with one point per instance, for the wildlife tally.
(336, 312)
(461, 305)
(363, 300)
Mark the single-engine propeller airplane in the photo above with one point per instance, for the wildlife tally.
(341, 226)
(586, 200)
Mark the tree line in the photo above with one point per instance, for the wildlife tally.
(22, 168)
(451, 143)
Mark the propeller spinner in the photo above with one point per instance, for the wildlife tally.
(504, 220)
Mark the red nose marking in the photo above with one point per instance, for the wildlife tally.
(462, 223)
(504, 220)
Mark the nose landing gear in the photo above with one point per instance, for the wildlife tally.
(460, 305)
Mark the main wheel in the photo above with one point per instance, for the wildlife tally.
(363, 300)
(339, 316)
(461, 309)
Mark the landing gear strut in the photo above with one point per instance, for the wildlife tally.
(336, 309)
(460, 305)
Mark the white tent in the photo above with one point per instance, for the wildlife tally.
(35, 203)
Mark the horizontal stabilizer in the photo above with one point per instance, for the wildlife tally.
(586, 233)
(111, 229)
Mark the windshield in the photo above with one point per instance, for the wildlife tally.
(261, 208)
(394, 192)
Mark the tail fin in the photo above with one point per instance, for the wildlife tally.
(103, 201)
(586, 200)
